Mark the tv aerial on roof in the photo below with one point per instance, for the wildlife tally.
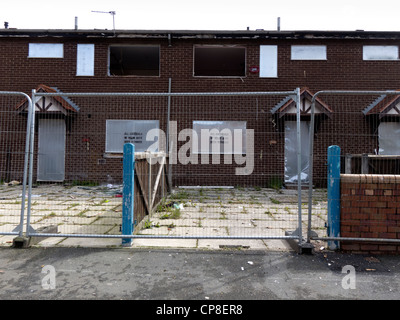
(110, 12)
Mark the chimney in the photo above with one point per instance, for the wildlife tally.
(5, 25)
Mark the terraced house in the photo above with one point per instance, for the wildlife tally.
(81, 138)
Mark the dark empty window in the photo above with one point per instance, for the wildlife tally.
(220, 61)
(134, 60)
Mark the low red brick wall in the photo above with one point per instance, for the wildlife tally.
(370, 208)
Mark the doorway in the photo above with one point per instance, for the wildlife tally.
(51, 150)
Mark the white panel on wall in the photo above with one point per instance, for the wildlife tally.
(268, 61)
(308, 52)
(119, 132)
(46, 50)
(85, 60)
(380, 53)
(220, 137)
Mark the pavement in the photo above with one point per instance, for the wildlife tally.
(194, 276)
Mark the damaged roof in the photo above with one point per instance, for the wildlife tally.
(200, 34)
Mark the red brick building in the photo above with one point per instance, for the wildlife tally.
(85, 129)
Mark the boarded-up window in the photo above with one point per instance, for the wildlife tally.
(220, 137)
(219, 61)
(309, 52)
(46, 50)
(268, 61)
(85, 60)
(119, 132)
(389, 143)
(380, 53)
(134, 61)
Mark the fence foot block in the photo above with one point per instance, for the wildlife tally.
(26, 242)
(302, 247)
(21, 242)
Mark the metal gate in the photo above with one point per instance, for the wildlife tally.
(225, 184)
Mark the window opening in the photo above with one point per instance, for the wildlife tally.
(134, 61)
(219, 61)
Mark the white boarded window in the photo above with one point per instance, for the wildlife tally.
(268, 61)
(308, 52)
(220, 137)
(46, 50)
(85, 60)
(119, 132)
(380, 53)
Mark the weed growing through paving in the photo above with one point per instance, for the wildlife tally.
(274, 201)
(82, 213)
(181, 195)
(72, 206)
(174, 214)
(223, 215)
(102, 202)
(147, 224)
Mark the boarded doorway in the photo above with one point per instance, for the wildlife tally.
(51, 153)
(291, 171)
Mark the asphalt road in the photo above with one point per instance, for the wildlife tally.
(191, 275)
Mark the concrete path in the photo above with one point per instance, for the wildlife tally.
(203, 212)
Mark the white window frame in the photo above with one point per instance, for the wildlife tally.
(46, 50)
(308, 52)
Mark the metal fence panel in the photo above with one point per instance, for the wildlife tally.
(237, 191)
(15, 118)
(364, 125)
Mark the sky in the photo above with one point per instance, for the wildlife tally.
(341, 15)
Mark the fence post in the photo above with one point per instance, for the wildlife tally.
(298, 121)
(30, 166)
(128, 197)
(333, 195)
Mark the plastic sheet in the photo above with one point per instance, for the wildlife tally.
(389, 143)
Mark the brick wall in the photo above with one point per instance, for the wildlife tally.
(344, 69)
(370, 208)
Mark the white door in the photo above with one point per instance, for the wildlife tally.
(291, 171)
(51, 153)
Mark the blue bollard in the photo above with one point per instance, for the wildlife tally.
(333, 196)
(128, 196)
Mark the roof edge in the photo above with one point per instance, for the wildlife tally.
(255, 34)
